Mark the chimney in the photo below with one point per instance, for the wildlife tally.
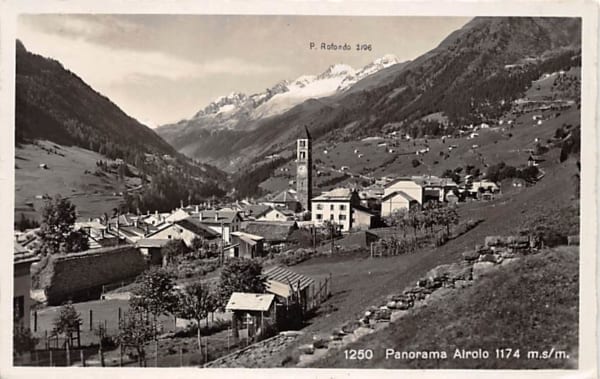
(200, 216)
(216, 216)
(197, 209)
(156, 214)
(181, 204)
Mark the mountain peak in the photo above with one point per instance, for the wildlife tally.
(336, 70)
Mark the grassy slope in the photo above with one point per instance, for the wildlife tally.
(92, 195)
(361, 282)
(530, 305)
(495, 146)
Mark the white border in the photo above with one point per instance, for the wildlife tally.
(588, 10)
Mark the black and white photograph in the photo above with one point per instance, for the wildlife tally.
(286, 189)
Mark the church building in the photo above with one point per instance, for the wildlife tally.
(304, 170)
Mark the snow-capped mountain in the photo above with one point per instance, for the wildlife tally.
(237, 110)
(378, 64)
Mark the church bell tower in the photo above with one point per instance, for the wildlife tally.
(304, 169)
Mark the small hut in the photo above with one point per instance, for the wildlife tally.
(253, 313)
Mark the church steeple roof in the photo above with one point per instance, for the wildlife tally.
(307, 132)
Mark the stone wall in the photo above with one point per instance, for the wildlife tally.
(81, 276)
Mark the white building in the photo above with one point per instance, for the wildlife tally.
(407, 186)
(396, 201)
(335, 206)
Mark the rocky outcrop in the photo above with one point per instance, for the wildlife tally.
(436, 284)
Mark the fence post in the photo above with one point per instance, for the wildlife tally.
(46, 339)
(180, 356)
(119, 315)
(91, 320)
(156, 353)
(50, 357)
(120, 355)
(82, 358)
(35, 320)
(206, 350)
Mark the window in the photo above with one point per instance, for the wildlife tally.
(19, 307)
(169, 236)
(319, 207)
(331, 207)
(331, 217)
(302, 143)
(302, 155)
(319, 216)
(342, 207)
(342, 217)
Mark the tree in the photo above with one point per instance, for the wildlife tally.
(175, 248)
(23, 339)
(155, 292)
(240, 275)
(56, 230)
(194, 303)
(136, 329)
(67, 322)
(400, 220)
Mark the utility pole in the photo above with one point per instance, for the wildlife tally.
(332, 230)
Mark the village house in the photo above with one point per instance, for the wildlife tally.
(222, 222)
(534, 160)
(396, 201)
(177, 215)
(405, 185)
(277, 235)
(186, 230)
(254, 211)
(363, 218)
(22, 260)
(252, 314)
(246, 245)
(486, 185)
(151, 249)
(335, 206)
(285, 199)
(277, 214)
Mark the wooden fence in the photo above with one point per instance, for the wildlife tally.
(320, 292)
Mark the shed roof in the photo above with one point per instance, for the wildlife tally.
(271, 231)
(285, 276)
(241, 301)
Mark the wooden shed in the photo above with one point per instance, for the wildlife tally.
(288, 285)
(253, 313)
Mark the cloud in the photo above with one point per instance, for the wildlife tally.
(102, 65)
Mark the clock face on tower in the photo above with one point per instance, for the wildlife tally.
(302, 169)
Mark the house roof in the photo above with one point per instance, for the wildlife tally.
(216, 216)
(257, 210)
(344, 194)
(198, 227)
(22, 255)
(285, 276)
(89, 224)
(360, 208)
(151, 242)
(270, 230)
(285, 196)
(398, 193)
(248, 238)
(241, 301)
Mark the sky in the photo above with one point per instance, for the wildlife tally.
(164, 68)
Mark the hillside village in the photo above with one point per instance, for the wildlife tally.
(323, 241)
